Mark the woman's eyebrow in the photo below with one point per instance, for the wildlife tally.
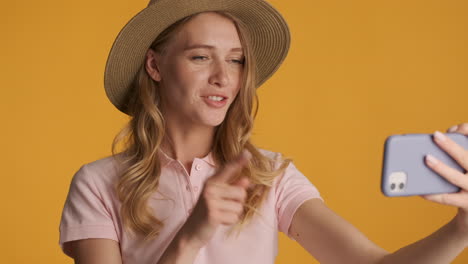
(202, 46)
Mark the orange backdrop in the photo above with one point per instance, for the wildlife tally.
(357, 72)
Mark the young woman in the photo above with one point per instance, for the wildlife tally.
(189, 186)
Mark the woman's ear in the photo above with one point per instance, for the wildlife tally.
(151, 65)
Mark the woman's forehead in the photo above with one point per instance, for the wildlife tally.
(209, 30)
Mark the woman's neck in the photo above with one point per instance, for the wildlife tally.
(186, 143)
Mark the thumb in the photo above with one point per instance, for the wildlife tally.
(232, 168)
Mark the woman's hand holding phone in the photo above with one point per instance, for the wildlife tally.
(460, 155)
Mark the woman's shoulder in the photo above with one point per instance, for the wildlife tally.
(105, 163)
(102, 171)
(276, 158)
(269, 153)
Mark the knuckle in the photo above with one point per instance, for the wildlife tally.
(209, 203)
(207, 194)
(213, 215)
(463, 127)
(210, 191)
(237, 218)
(209, 208)
(242, 193)
(459, 156)
(240, 208)
(444, 199)
(228, 168)
(234, 218)
(210, 200)
(228, 221)
(455, 180)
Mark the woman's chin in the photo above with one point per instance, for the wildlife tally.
(215, 124)
(214, 121)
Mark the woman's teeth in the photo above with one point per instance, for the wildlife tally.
(215, 98)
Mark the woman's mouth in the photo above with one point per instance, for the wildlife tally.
(215, 101)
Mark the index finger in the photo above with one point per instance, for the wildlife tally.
(457, 152)
(232, 168)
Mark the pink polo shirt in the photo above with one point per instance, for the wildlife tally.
(92, 210)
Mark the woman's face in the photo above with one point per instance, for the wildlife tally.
(202, 60)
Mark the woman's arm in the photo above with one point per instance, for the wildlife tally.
(442, 246)
(94, 251)
(331, 239)
(99, 250)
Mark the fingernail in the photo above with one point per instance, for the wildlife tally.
(439, 136)
(431, 160)
(453, 129)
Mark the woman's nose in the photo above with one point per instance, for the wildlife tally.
(220, 74)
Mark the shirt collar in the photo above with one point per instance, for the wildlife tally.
(165, 159)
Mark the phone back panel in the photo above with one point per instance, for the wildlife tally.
(404, 171)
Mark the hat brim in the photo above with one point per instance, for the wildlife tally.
(269, 35)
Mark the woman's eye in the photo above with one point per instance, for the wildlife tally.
(203, 58)
(239, 61)
(199, 57)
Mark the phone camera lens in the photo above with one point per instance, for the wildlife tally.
(402, 185)
(392, 186)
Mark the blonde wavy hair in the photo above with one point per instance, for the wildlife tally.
(143, 134)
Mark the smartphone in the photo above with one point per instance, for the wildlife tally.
(404, 171)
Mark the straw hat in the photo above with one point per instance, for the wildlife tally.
(268, 32)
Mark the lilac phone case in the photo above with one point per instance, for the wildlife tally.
(404, 171)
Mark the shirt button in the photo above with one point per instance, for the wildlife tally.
(195, 188)
(198, 167)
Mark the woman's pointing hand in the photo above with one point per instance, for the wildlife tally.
(220, 203)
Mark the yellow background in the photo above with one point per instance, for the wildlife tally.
(357, 72)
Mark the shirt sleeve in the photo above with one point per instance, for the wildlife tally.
(84, 214)
(292, 189)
